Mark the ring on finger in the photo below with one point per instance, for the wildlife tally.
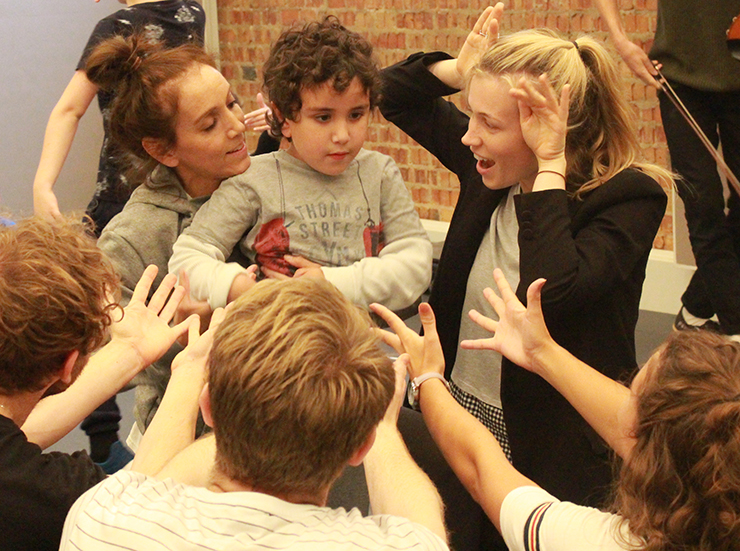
(482, 33)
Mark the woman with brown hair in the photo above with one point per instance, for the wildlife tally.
(676, 430)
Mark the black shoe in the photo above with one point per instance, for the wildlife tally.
(680, 324)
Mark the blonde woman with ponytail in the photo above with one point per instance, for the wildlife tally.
(551, 185)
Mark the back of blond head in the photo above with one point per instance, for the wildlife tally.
(601, 139)
(297, 384)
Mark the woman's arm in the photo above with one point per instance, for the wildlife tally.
(60, 133)
(471, 450)
(396, 484)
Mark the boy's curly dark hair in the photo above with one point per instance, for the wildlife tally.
(308, 55)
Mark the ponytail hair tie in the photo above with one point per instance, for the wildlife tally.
(134, 61)
(580, 53)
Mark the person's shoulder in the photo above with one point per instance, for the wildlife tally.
(406, 533)
(628, 185)
(637, 180)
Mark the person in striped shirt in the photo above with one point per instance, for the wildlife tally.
(297, 389)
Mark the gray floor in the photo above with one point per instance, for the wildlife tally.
(652, 328)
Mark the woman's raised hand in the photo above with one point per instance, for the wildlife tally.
(544, 117)
(483, 36)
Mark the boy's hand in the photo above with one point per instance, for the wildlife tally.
(145, 327)
(425, 352)
(306, 268)
(243, 283)
(189, 306)
(520, 333)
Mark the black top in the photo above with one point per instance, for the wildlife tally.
(593, 252)
(174, 22)
(37, 490)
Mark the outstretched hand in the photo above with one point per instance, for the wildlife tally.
(145, 327)
(544, 118)
(425, 353)
(195, 354)
(483, 36)
(520, 333)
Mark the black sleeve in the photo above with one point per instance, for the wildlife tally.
(413, 100)
(586, 248)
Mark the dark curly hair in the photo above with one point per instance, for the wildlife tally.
(308, 55)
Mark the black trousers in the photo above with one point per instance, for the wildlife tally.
(713, 221)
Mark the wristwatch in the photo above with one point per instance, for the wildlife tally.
(413, 390)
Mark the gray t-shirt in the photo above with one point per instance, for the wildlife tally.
(478, 372)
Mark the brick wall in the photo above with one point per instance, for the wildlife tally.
(398, 28)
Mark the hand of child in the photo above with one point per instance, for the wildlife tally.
(257, 120)
(145, 327)
(544, 119)
(243, 283)
(425, 352)
(520, 333)
(305, 268)
(483, 36)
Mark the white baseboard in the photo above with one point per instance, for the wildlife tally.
(665, 279)
(665, 282)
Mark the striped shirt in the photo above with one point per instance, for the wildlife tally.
(533, 520)
(132, 511)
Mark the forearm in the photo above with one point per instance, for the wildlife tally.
(60, 133)
(397, 486)
(604, 403)
(173, 427)
(210, 276)
(446, 71)
(106, 373)
(471, 450)
(610, 14)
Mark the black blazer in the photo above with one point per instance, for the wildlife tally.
(593, 252)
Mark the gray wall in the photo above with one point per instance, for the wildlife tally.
(41, 41)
